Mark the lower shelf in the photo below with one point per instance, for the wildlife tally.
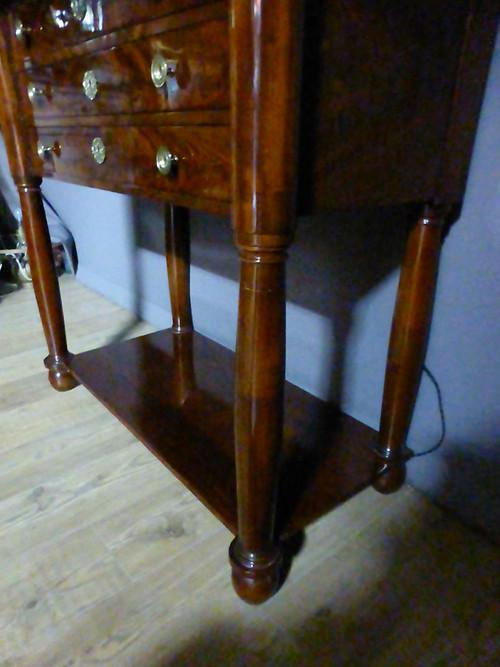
(175, 393)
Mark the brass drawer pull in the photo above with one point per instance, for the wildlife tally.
(89, 84)
(20, 29)
(98, 150)
(166, 162)
(79, 9)
(46, 151)
(35, 93)
(161, 69)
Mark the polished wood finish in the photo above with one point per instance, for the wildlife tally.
(46, 287)
(50, 24)
(37, 235)
(387, 98)
(265, 57)
(203, 171)
(178, 266)
(176, 393)
(123, 75)
(408, 345)
(107, 559)
(398, 84)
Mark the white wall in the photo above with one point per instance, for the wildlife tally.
(463, 351)
(464, 346)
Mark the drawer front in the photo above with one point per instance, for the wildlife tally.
(192, 62)
(201, 164)
(46, 26)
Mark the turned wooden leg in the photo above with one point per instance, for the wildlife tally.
(255, 554)
(177, 242)
(407, 346)
(265, 43)
(45, 284)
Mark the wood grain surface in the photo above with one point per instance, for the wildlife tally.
(391, 95)
(123, 75)
(50, 22)
(203, 154)
(107, 560)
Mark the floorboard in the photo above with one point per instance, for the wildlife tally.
(106, 559)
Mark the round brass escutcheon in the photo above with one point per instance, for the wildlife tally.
(45, 151)
(166, 162)
(79, 9)
(19, 29)
(161, 69)
(98, 150)
(34, 93)
(89, 84)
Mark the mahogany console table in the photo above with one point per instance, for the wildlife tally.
(257, 108)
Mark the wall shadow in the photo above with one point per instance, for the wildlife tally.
(8, 239)
(470, 485)
(335, 260)
(135, 242)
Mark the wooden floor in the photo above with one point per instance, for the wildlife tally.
(105, 559)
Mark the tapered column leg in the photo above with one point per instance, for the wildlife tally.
(45, 284)
(408, 345)
(265, 43)
(177, 242)
(260, 365)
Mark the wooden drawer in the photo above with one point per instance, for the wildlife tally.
(119, 80)
(48, 25)
(202, 169)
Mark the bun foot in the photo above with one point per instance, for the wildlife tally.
(256, 577)
(390, 477)
(60, 376)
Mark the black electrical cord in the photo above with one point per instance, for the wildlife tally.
(51, 207)
(441, 414)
